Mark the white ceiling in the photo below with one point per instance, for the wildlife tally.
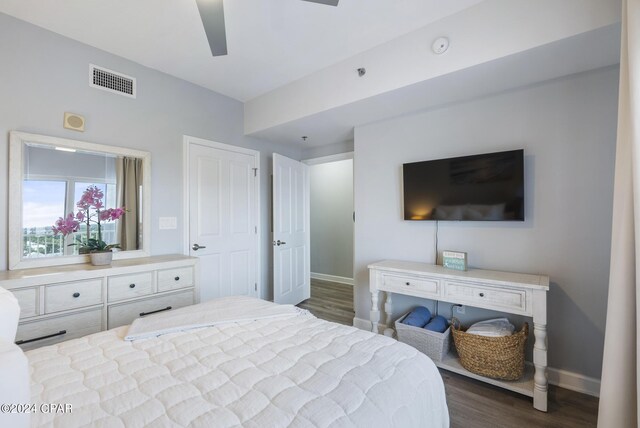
(271, 42)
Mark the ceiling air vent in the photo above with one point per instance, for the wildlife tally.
(112, 81)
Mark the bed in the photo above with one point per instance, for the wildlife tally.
(294, 370)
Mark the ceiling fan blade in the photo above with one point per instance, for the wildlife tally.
(212, 15)
(327, 2)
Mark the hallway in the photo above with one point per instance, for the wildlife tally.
(330, 301)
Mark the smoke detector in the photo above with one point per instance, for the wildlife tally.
(440, 45)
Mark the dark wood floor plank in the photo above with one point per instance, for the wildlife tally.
(479, 405)
(472, 404)
(330, 301)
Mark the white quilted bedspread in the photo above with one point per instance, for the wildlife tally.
(294, 372)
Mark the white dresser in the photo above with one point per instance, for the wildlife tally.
(65, 302)
(512, 293)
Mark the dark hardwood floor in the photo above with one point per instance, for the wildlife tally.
(330, 301)
(472, 404)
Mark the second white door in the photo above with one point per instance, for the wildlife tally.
(223, 218)
(291, 255)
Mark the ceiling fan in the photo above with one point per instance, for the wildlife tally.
(212, 15)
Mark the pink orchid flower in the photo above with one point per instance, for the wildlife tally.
(91, 198)
(66, 225)
(116, 213)
(105, 215)
(111, 214)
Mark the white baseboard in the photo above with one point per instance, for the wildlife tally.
(562, 378)
(362, 324)
(333, 278)
(574, 381)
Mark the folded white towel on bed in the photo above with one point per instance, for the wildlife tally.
(208, 314)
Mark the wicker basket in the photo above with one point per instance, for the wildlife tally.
(431, 343)
(495, 357)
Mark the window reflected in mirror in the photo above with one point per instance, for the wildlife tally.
(71, 201)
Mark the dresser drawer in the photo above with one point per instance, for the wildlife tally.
(129, 286)
(72, 295)
(125, 313)
(173, 279)
(487, 297)
(409, 283)
(34, 333)
(28, 301)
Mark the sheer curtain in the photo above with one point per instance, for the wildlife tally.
(620, 388)
(128, 185)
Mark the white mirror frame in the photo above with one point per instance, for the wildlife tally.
(16, 168)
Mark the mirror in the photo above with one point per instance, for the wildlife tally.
(69, 197)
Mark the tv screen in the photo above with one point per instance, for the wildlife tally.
(487, 187)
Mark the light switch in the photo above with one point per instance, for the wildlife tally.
(167, 223)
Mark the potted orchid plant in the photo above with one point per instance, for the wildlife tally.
(91, 210)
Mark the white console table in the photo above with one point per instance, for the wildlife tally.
(512, 293)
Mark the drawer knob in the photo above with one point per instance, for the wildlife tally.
(177, 278)
(481, 294)
(407, 283)
(132, 286)
(76, 294)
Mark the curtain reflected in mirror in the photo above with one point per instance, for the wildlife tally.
(129, 195)
(55, 188)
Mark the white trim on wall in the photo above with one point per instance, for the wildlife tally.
(187, 141)
(185, 195)
(333, 278)
(363, 324)
(562, 378)
(328, 159)
(574, 381)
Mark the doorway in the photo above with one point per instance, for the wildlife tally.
(332, 237)
(222, 209)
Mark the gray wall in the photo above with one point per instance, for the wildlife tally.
(567, 128)
(332, 218)
(328, 150)
(44, 74)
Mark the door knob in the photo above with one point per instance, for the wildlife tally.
(197, 247)
(279, 242)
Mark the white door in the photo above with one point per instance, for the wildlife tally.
(291, 256)
(223, 218)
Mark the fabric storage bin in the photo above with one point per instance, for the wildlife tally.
(494, 357)
(431, 343)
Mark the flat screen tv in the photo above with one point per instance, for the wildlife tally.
(487, 187)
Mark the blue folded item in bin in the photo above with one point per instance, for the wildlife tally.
(418, 317)
(438, 323)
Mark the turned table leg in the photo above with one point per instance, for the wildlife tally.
(374, 315)
(540, 387)
(540, 363)
(388, 308)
